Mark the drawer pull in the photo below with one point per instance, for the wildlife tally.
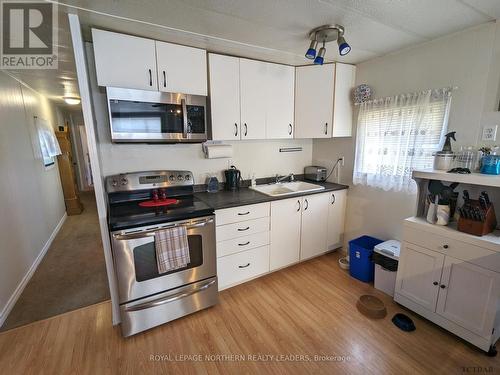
(245, 266)
(445, 246)
(435, 283)
(243, 213)
(244, 244)
(442, 286)
(243, 229)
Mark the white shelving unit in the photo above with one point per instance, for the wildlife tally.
(472, 179)
(450, 277)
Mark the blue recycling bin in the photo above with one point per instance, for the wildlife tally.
(361, 265)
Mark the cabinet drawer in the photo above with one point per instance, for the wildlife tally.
(457, 249)
(235, 268)
(236, 245)
(241, 213)
(244, 228)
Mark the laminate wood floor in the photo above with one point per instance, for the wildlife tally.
(304, 311)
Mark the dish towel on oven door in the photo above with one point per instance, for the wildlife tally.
(172, 249)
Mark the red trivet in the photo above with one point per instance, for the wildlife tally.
(158, 203)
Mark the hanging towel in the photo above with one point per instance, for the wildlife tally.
(172, 249)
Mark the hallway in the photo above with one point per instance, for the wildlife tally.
(71, 275)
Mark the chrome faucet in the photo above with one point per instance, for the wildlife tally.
(282, 178)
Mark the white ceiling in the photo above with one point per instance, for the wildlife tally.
(273, 30)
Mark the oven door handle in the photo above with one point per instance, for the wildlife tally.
(171, 298)
(151, 232)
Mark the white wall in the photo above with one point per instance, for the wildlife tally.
(470, 60)
(260, 157)
(31, 198)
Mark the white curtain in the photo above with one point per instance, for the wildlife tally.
(397, 135)
(49, 146)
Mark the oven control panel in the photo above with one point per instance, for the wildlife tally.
(148, 180)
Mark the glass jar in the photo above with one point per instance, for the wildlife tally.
(466, 158)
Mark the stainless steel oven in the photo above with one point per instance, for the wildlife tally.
(135, 258)
(148, 298)
(150, 116)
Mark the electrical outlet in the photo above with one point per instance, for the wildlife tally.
(343, 160)
(490, 133)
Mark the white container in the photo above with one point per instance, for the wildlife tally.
(442, 214)
(385, 280)
(443, 162)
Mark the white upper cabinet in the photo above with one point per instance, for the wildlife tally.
(336, 218)
(181, 69)
(138, 63)
(345, 80)
(314, 225)
(224, 77)
(314, 91)
(280, 101)
(124, 60)
(253, 80)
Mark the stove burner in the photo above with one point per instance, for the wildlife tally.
(159, 203)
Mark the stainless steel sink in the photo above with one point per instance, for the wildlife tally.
(287, 188)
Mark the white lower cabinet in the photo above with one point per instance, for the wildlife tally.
(235, 268)
(419, 272)
(468, 296)
(314, 225)
(286, 216)
(461, 295)
(336, 218)
(277, 234)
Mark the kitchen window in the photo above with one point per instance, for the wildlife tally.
(397, 135)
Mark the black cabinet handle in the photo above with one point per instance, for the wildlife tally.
(243, 229)
(164, 79)
(244, 244)
(326, 128)
(246, 129)
(306, 206)
(245, 266)
(442, 286)
(235, 129)
(243, 213)
(435, 283)
(150, 78)
(298, 209)
(445, 246)
(291, 128)
(333, 198)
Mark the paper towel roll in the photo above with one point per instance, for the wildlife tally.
(219, 151)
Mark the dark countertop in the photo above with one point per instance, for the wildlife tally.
(244, 196)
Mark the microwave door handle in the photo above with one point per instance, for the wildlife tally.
(184, 118)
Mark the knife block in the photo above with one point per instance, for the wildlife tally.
(478, 228)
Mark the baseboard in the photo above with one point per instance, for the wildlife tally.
(20, 287)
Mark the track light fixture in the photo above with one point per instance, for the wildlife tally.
(324, 34)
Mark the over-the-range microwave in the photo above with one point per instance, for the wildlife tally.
(151, 116)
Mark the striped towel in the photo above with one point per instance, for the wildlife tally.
(172, 249)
